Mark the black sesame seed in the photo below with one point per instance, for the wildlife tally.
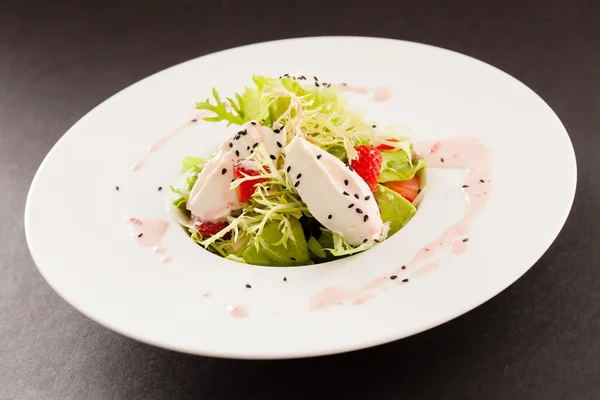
(284, 279)
(346, 194)
(346, 182)
(159, 188)
(276, 130)
(316, 79)
(330, 216)
(223, 171)
(293, 258)
(302, 77)
(232, 180)
(317, 84)
(140, 235)
(405, 280)
(419, 191)
(237, 137)
(286, 75)
(482, 181)
(403, 267)
(296, 184)
(368, 198)
(255, 144)
(366, 218)
(273, 157)
(442, 159)
(116, 188)
(230, 144)
(288, 169)
(241, 133)
(279, 145)
(358, 210)
(248, 148)
(253, 122)
(357, 196)
(319, 157)
(195, 120)
(351, 205)
(374, 126)
(465, 240)
(365, 241)
(298, 176)
(248, 286)
(329, 85)
(465, 186)
(351, 169)
(237, 153)
(393, 277)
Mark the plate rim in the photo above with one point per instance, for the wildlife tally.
(291, 354)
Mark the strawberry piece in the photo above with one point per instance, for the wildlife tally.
(208, 228)
(384, 146)
(368, 164)
(408, 189)
(246, 189)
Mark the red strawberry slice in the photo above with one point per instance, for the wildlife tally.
(384, 146)
(208, 228)
(246, 189)
(408, 189)
(368, 164)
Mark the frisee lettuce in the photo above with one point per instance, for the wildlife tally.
(273, 224)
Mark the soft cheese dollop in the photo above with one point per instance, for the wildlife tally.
(212, 198)
(334, 194)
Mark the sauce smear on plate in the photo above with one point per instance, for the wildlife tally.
(459, 153)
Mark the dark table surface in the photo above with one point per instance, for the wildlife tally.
(539, 339)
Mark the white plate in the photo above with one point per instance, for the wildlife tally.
(78, 236)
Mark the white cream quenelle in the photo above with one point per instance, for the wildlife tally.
(334, 194)
(211, 198)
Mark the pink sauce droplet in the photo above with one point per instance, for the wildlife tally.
(237, 310)
(137, 165)
(458, 247)
(167, 138)
(427, 268)
(166, 259)
(381, 94)
(159, 249)
(147, 232)
(206, 294)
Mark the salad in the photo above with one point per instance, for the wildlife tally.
(303, 178)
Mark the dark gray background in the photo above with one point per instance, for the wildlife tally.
(539, 339)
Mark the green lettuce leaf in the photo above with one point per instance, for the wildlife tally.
(395, 209)
(194, 165)
(315, 248)
(399, 166)
(337, 246)
(296, 252)
(234, 116)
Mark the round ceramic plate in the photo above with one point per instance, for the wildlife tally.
(77, 230)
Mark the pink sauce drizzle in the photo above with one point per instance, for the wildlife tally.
(379, 94)
(237, 310)
(149, 233)
(459, 153)
(167, 138)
